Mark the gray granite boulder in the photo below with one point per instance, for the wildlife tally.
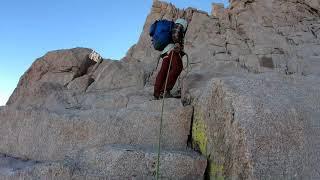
(259, 127)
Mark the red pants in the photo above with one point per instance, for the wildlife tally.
(175, 70)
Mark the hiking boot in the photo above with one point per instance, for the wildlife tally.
(176, 94)
(154, 98)
(167, 95)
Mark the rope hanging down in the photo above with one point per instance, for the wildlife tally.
(161, 120)
(187, 69)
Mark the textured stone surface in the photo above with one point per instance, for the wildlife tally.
(253, 83)
(108, 162)
(41, 135)
(117, 75)
(217, 8)
(128, 162)
(16, 169)
(279, 42)
(260, 127)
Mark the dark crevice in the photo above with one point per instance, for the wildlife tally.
(66, 70)
(90, 81)
(248, 69)
(147, 76)
(314, 34)
(313, 11)
(13, 158)
(206, 175)
(189, 142)
(83, 70)
(266, 62)
(310, 9)
(248, 2)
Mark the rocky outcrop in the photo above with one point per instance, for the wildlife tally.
(259, 126)
(55, 70)
(254, 69)
(250, 103)
(82, 115)
(217, 8)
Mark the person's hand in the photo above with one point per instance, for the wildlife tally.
(177, 47)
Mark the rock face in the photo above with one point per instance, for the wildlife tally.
(94, 120)
(250, 103)
(89, 128)
(270, 126)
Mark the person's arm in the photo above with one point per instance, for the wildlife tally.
(177, 37)
(177, 34)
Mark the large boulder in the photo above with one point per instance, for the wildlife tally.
(51, 73)
(259, 127)
(60, 79)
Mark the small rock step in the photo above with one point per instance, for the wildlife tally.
(43, 135)
(132, 162)
(109, 162)
(18, 169)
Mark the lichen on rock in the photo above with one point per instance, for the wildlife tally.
(199, 134)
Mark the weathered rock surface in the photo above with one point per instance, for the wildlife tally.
(108, 162)
(126, 162)
(52, 119)
(41, 135)
(260, 127)
(278, 41)
(16, 169)
(250, 102)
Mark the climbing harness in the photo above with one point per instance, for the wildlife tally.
(187, 69)
(161, 120)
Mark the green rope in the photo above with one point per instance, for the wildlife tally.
(161, 119)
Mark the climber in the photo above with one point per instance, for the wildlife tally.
(168, 37)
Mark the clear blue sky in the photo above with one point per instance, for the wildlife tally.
(30, 28)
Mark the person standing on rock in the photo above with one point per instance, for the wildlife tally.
(168, 37)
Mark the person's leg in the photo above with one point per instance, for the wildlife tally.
(161, 77)
(175, 70)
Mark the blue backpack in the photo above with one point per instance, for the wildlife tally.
(161, 33)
